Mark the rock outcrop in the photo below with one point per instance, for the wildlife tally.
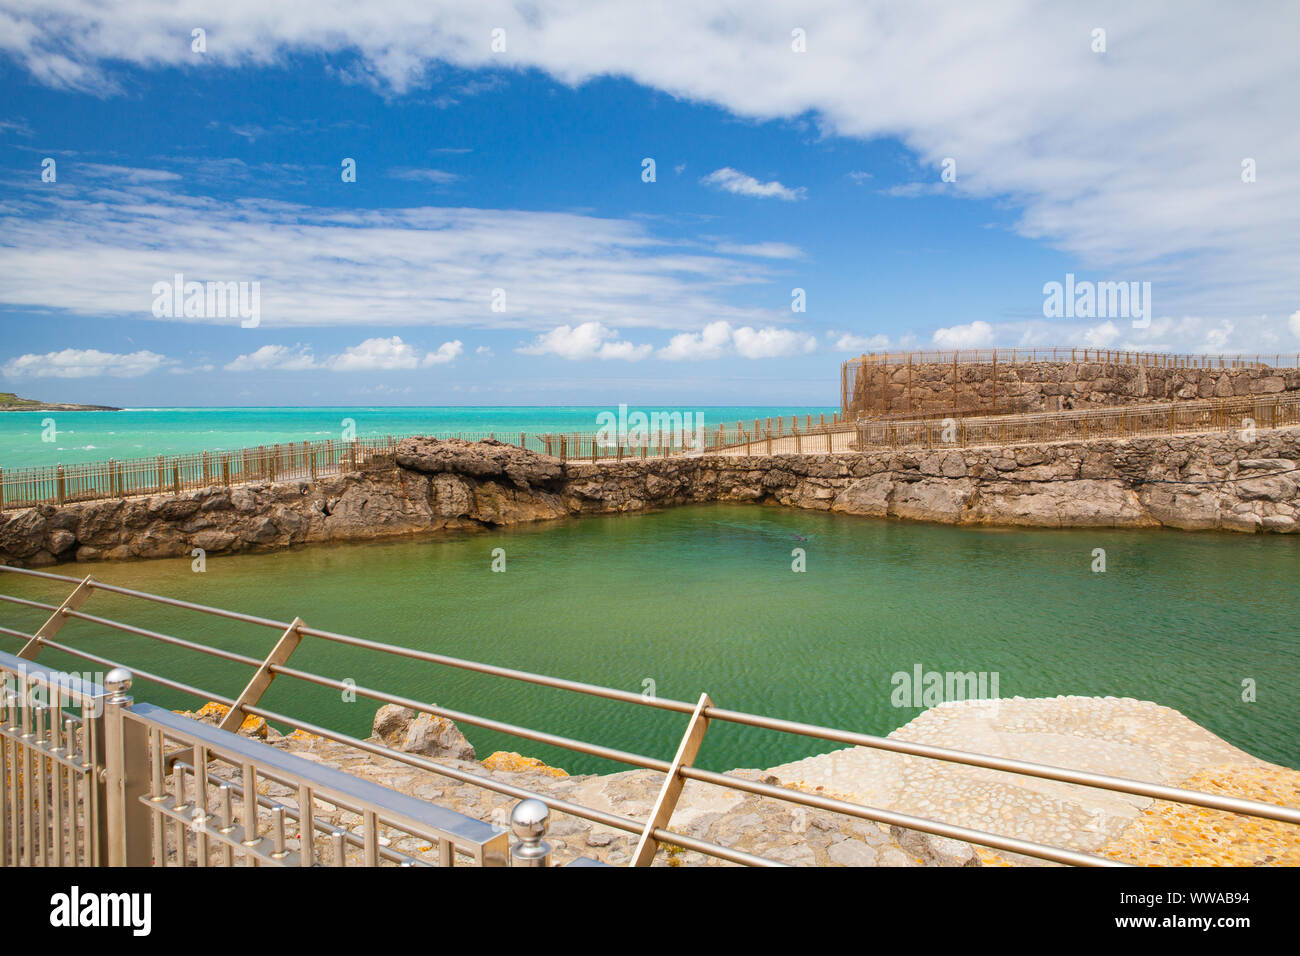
(1196, 482)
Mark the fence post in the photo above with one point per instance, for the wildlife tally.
(529, 821)
(60, 485)
(126, 764)
(2, 490)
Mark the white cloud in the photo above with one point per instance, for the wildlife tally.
(376, 355)
(719, 339)
(1128, 159)
(762, 250)
(742, 184)
(83, 363)
(913, 190)
(1125, 159)
(386, 267)
(372, 355)
(975, 335)
(849, 342)
(436, 176)
(859, 176)
(1102, 336)
(772, 343)
(446, 352)
(1294, 322)
(590, 340)
(712, 343)
(280, 357)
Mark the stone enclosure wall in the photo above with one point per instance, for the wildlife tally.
(927, 388)
(1195, 482)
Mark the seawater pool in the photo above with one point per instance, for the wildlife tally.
(703, 598)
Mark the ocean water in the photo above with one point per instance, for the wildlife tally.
(703, 598)
(26, 438)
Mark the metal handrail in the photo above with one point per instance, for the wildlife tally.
(249, 706)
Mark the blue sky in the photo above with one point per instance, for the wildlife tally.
(515, 177)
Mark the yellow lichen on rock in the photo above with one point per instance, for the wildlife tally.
(214, 713)
(1176, 834)
(514, 763)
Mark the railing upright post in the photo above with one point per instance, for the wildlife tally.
(529, 821)
(126, 776)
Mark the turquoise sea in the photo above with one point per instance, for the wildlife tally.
(148, 432)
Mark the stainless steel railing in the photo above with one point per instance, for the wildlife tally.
(128, 783)
(650, 832)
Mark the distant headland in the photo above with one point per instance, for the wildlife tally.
(9, 402)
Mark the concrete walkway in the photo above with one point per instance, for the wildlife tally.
(1121, 737)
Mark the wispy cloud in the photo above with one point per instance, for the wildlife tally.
(438, 177)
(324, 266)
(762, 250)
(742, 184)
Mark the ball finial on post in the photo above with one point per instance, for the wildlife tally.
(529, 821)
(118, 684)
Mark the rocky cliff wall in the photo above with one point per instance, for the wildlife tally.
(1051, 386)
(1196, 482)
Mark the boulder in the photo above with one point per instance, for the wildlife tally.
(410, 732)
(482, 460)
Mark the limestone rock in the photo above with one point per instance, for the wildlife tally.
(486, 459)
(935, 850)
(410, 732)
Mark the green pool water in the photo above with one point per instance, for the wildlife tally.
(704, 599)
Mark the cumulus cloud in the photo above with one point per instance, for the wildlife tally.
(714, 342)
(590, 340)
(83, 363)
(372, 355)
(772, 343)
(281, 357)
(742, 184)
(719, 339)
(446, 352)
(1102, 336)
(975, 335)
